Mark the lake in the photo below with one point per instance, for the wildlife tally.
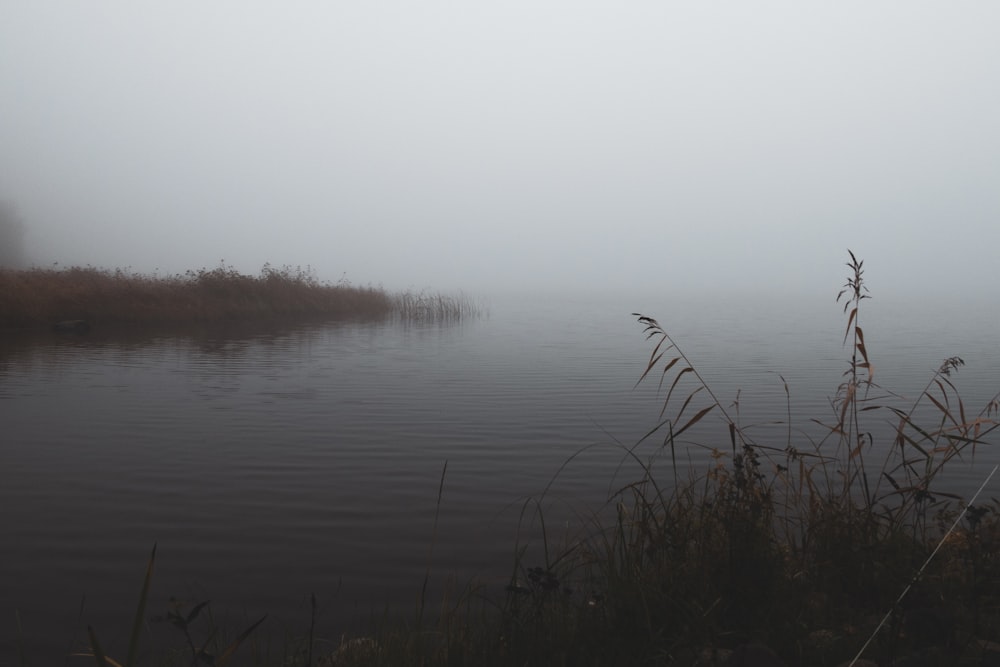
(271, 465)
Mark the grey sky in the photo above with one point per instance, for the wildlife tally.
(479, 144)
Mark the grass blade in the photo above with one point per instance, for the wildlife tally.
(850, 319)
(695, 420)
(97, 652)
(133, 642)
(231, 649)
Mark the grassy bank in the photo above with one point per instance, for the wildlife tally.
(828, 547)
(43, 298)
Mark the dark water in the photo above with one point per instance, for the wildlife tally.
(274, 465)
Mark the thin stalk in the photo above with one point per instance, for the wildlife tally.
(133, 644)
(430, 548)
(916, 577)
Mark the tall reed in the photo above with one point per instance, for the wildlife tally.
(433, 307)
(801, 544)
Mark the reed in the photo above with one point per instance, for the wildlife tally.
(43, 298)
(200, 652)
(426, 306)
(811, 550)
(800, 545)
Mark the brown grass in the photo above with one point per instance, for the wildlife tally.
(821, 546)
(788, 542)
(39, 298)
(824, 545)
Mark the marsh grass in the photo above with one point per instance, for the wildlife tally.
(802, 545)
(824, 546)
(827, 545)
(426, 306)
(41, 298)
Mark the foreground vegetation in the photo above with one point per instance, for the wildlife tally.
(829, 550)
(826, 550)
(78, 299)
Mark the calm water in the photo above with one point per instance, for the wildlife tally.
(275, 465)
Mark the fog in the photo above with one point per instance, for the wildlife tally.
(511, 145)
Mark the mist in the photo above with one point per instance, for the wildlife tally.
(511, 146)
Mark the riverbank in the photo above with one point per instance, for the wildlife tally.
(80, 299)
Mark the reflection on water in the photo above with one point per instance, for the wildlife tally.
(269, 465)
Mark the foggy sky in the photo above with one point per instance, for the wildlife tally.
(480, 145)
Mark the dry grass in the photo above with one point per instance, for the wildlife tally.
(432, 307)
(804, 545)
(40, 298)
(821, 548)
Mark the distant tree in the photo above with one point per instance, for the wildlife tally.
(11, 237)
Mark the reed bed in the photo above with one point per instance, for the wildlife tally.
(828, 549)
(93, 298)
(822, 550)
(434, 307)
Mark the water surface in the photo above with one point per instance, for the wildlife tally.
(271, 465)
